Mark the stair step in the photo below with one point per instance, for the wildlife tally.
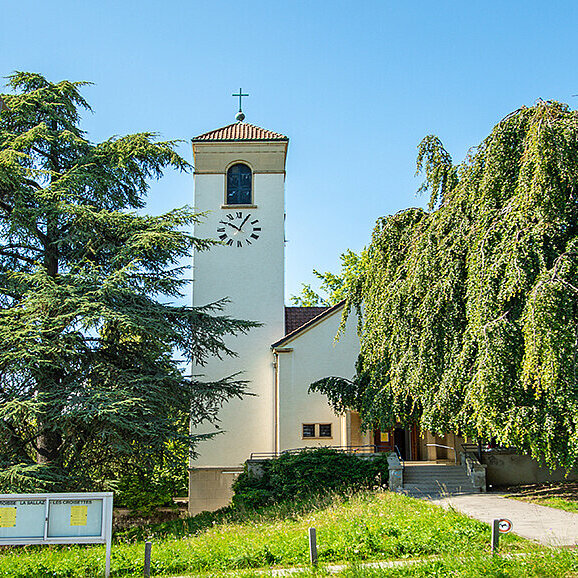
(436, 480)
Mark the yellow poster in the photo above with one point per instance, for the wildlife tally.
(78, 515)
(7, 517)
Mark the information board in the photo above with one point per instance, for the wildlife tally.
(57, 519)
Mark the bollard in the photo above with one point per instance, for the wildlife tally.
(147, 560)
(495, 536)
(313, 546)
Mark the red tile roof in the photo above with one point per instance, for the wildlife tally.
(298, 319)
(295, 317)
(240, 131)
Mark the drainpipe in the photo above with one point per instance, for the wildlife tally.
(275, 402)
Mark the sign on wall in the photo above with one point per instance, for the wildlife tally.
(57, 519)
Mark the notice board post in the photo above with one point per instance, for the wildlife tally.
(76, 518)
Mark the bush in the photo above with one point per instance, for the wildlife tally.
(309, 472)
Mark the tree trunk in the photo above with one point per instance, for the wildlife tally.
(48, 447)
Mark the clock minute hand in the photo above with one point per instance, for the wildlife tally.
(246, 219)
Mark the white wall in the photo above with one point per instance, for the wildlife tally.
(314, 355)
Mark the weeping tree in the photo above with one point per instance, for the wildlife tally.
(470, 310)
(90, 287)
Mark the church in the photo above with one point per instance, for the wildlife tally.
(239, 183)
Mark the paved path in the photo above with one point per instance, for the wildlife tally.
(545, 525)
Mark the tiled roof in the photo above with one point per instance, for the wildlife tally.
(295, 317)
(298, 319)
(239, 131)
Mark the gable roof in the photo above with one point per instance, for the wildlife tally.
(295, 317)
(315, 315)
(240, 131)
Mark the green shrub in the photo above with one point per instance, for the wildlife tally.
(309, 472)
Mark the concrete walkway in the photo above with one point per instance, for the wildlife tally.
(548, 526)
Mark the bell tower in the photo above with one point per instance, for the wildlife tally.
(239, 179)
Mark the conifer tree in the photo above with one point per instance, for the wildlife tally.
(89, 293)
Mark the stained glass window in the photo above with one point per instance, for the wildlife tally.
(239, 185)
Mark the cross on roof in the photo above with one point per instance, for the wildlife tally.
(240, 95)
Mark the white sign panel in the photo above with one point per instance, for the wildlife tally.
(22, 518)
(69, 517)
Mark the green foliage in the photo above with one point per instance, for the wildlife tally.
(307, 473)
(470, 319)
(440, 172)
(334, 287)
(88, 323)
(145, 486)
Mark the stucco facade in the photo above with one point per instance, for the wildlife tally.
(311, 354)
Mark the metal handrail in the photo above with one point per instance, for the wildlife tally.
(365, 449)
(447, 448)
(398, 453)
(473, 450)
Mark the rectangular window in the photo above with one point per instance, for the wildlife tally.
(324, 430)
(308, 430)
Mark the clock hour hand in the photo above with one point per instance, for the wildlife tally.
(230, 225)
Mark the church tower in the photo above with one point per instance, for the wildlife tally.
(240, 184)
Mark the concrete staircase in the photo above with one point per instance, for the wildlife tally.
(435, 480)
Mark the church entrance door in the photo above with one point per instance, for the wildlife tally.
(383, 440)
(405, 439)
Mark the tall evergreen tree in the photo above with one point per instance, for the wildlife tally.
(89, 292)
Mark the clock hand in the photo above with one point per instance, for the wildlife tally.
(246, 219)
(230, 225)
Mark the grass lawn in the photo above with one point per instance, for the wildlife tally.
(380, 526)
(560, 495)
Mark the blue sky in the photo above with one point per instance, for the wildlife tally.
(355, 86)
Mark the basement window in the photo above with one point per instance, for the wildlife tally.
(324, 430)
(308, 430)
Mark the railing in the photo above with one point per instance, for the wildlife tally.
(447, 448)
(366, 449)
(472, 462)
(398, 454)
(473, 451)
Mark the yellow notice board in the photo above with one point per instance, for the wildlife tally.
(8, 517)
(78, 515)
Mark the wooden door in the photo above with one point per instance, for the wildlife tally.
(383, 440)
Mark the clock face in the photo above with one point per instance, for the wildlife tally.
(238, 229)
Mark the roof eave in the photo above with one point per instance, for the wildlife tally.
(306, 326)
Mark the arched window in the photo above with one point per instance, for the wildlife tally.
(239, 185)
